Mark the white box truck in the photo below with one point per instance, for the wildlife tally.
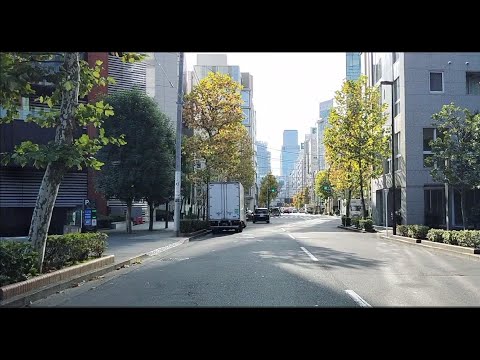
(226, 206)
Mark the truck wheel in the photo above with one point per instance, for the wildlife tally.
(240, 228)
(268, 221)
(254, 221)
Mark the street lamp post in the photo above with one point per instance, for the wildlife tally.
(178, 148)
(394, 223)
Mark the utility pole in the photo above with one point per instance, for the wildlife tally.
(178, 149)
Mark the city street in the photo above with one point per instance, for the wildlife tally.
(298, 260)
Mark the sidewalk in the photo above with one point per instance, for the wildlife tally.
(141, 241)
(127, 249)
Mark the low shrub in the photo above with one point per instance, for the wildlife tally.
(468, 238)
(402, 230)
(356, 221)
(17, 262)
(435, 235)
(104, 222)
(417, 231)
(346, 221)
(450, 237)
(367, 224)
(191, 225)
(68, 249)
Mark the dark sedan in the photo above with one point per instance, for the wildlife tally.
(261, 214)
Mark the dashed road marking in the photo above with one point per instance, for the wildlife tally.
(309, 253)
(357, 298)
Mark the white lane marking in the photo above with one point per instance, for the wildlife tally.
(357, 298)
(283, 229)
(293, 237)
(309, 253)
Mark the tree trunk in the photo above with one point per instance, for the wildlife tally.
(42, 214)
(463, 205)
(129, 217)
(362, 197)
(152, 210)
(349, 198)
(167, 214)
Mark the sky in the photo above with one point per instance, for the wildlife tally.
(287, 90)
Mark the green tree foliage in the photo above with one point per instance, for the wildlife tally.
(75, 79)
(145, 167)
(220, 141)
(323, 186)
(456, 151)
(355, 141)
(268, 189)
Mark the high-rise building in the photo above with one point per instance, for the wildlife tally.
(289, 153)
(322, 123)
(422, 84)
(353, 65)
(264, 161)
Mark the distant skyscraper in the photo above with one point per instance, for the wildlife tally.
(263, 161)
(289, 153)
(322, 123)
(353, 65)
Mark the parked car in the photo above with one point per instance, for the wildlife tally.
(249, 215)
(261, 214)
(275, 211)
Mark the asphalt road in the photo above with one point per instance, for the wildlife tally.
(295, 261)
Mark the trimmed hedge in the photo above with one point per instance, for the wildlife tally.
(17, 262)
(402, 230)
(18, 259)
(450, 237)
(104, 222)
(417, 231)
(356, 221)
(366, 224)
(346, 221)
(192, 225)
(68, 249)
(435, 235)
(466, 238)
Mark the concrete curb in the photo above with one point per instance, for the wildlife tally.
(199, 234)
(470, 253)
(402, 239)
(25, 299)
(356, 230)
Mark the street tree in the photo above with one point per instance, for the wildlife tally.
(73, 80)
(355, 139)
(144, 168)
(219, 143)
(268, 189)
(323, 186)
(455, 155)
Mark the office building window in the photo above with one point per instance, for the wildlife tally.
(436, 81)
(473, 83)
(246, 114)
(246, 98)
(429, 134)
(396, 96)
